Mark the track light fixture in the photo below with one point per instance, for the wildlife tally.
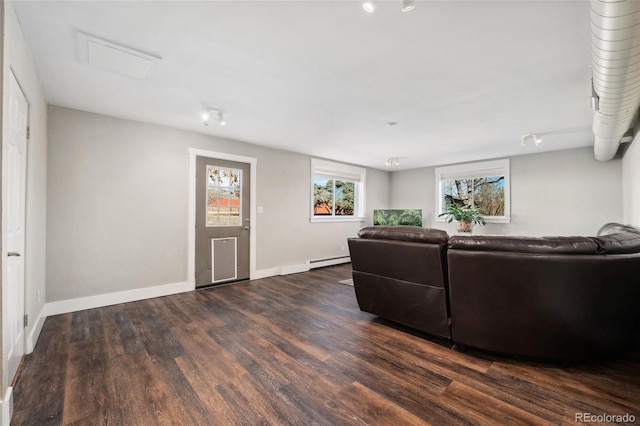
(370, 5)
(392, 162)
(537, 140)
(208, 112)
(408, 5)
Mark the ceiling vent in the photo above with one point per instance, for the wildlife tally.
(116, 58)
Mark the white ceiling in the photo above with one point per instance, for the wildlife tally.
(464, 80)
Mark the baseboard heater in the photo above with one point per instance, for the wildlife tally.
(328, 261)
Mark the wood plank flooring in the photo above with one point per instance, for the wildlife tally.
(292, 350)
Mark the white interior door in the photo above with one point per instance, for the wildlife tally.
(14, 156)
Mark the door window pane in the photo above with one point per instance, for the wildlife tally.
(223, 196)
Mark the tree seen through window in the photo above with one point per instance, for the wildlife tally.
(485, 194)
(333, 197)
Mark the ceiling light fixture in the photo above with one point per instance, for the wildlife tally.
(392, 162)
(537, 140)
(408, 5)
(208, 112)
(222, 121)
(369, 5)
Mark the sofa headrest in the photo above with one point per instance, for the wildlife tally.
(615, 228)
(543, 245)
(404, 233)
(616, 238)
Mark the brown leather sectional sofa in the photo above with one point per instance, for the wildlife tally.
(556, 298)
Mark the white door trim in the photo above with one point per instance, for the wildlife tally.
(191, 252)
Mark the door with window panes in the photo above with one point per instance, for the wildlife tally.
(222, 221)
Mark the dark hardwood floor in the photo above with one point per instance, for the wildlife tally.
(291, 350)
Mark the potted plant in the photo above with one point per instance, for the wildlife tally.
(466, 217)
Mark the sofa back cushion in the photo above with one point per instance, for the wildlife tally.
(404, 233)
(403, 253)
(543, 245)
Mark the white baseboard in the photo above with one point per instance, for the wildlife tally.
(98, 301)
(32, 338)
(265, 273)
(82, 303)
(330, 262)
(294, 269)
(281, 270)
(7, 407)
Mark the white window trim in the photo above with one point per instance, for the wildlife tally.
(462, 171)
(345, 170)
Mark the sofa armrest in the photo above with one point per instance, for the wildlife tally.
(615, 228)
(623, 242)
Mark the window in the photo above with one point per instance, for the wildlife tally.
(484, 186)
(337, 191)
(223, 196)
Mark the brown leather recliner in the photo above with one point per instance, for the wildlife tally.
(399, 273)
(564, 298)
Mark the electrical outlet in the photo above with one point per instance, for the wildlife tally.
(38, 296)
(342, 248)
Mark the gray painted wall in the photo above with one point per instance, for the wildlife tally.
(553, 193)
(118, 205)
(631, 183)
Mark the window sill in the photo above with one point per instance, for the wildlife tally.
(336, 219)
